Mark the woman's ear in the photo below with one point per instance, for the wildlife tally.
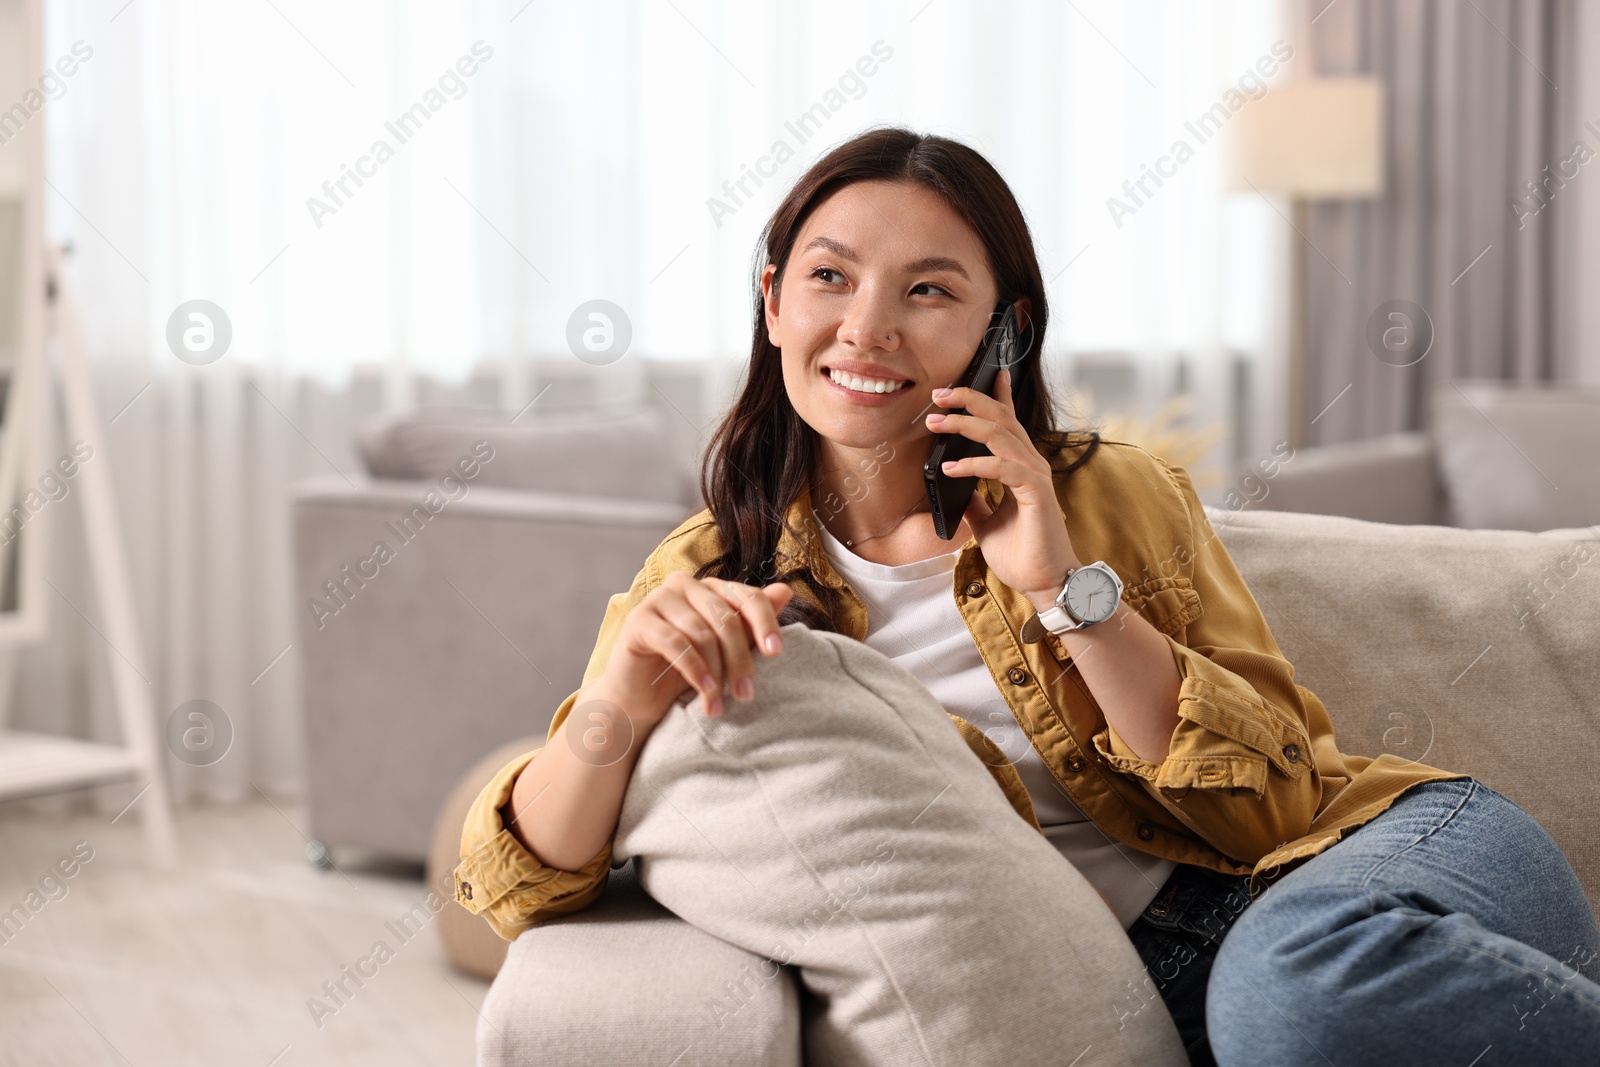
(769, 302)
(1024, 313)
(1025, 326)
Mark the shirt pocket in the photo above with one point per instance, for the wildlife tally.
(1168, 604)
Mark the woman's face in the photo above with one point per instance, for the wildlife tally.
(885, 298)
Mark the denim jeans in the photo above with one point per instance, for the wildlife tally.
(1177, 937)
(1450, 929)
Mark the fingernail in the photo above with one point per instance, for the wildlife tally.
(773, 644)
(708, 684)
(936, 417)
(942, 392)
(744, 688)
(948, 465)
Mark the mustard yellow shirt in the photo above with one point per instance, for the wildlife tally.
(1253, 782)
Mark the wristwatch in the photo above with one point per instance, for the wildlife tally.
(1090, 595)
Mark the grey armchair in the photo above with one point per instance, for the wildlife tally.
(477, 614)
(1498, 456)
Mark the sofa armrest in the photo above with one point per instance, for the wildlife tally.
(626, 982)
(428, 638)
(1393, 479)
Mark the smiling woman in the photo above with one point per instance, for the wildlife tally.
(1164, 747)
(882, 267)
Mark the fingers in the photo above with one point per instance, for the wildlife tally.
(1002, 390)
(665, 637)
(999, 438)
(704, 648)
(758, 608)
(732, 638)
(996, 408)
(992, 422)
(712, 624)
(1005, 471)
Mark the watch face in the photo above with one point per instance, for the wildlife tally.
(1091, 595)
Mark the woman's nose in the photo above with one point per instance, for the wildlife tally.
(868, 323)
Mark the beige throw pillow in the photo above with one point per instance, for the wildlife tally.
(839, 823)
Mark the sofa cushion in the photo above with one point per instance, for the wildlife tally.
(626, 983)
(839, 823)
(1470, 650)
(626, 453)
(1519, 457)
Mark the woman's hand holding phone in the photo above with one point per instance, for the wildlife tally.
(1025, 540)
(690, 634)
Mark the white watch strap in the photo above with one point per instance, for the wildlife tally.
(1057, 621)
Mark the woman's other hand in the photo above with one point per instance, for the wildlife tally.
(691, 633)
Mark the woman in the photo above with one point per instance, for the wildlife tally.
(1165, 750)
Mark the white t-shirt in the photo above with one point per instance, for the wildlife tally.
(912, 618)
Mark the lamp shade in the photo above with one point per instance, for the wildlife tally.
(1317, 139)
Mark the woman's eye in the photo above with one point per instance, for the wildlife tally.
(929, 285)
(820, 271)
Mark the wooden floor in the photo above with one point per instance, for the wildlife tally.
(214, 963)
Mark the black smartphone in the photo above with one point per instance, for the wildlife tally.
(949, 496)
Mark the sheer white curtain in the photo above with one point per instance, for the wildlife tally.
(430, 190)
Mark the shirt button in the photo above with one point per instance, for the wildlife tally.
(1017, 675)
(974, 589)
(1146, 831)
(466, 890)
(1291, 753)
(1076, 764)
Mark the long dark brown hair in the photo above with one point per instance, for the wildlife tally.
(763, 455)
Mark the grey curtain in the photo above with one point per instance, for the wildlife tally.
(1472, 228)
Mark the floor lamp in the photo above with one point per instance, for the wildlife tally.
(1318, 139)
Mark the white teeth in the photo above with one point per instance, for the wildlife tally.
(864, 385)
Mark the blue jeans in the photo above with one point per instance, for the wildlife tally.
(1450, 929)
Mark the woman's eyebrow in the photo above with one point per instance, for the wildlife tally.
(933, 263)
(927, 263)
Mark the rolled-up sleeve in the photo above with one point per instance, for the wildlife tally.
(498, 878)
(1239, 771)
(501, 880)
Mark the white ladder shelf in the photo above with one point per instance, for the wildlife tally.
(34, 763)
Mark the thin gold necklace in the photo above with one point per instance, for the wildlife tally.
(895, 525)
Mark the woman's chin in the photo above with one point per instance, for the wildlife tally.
(859, 432)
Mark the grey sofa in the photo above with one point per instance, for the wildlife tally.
(503, 542)
(1472, 650)
(1497, 456)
